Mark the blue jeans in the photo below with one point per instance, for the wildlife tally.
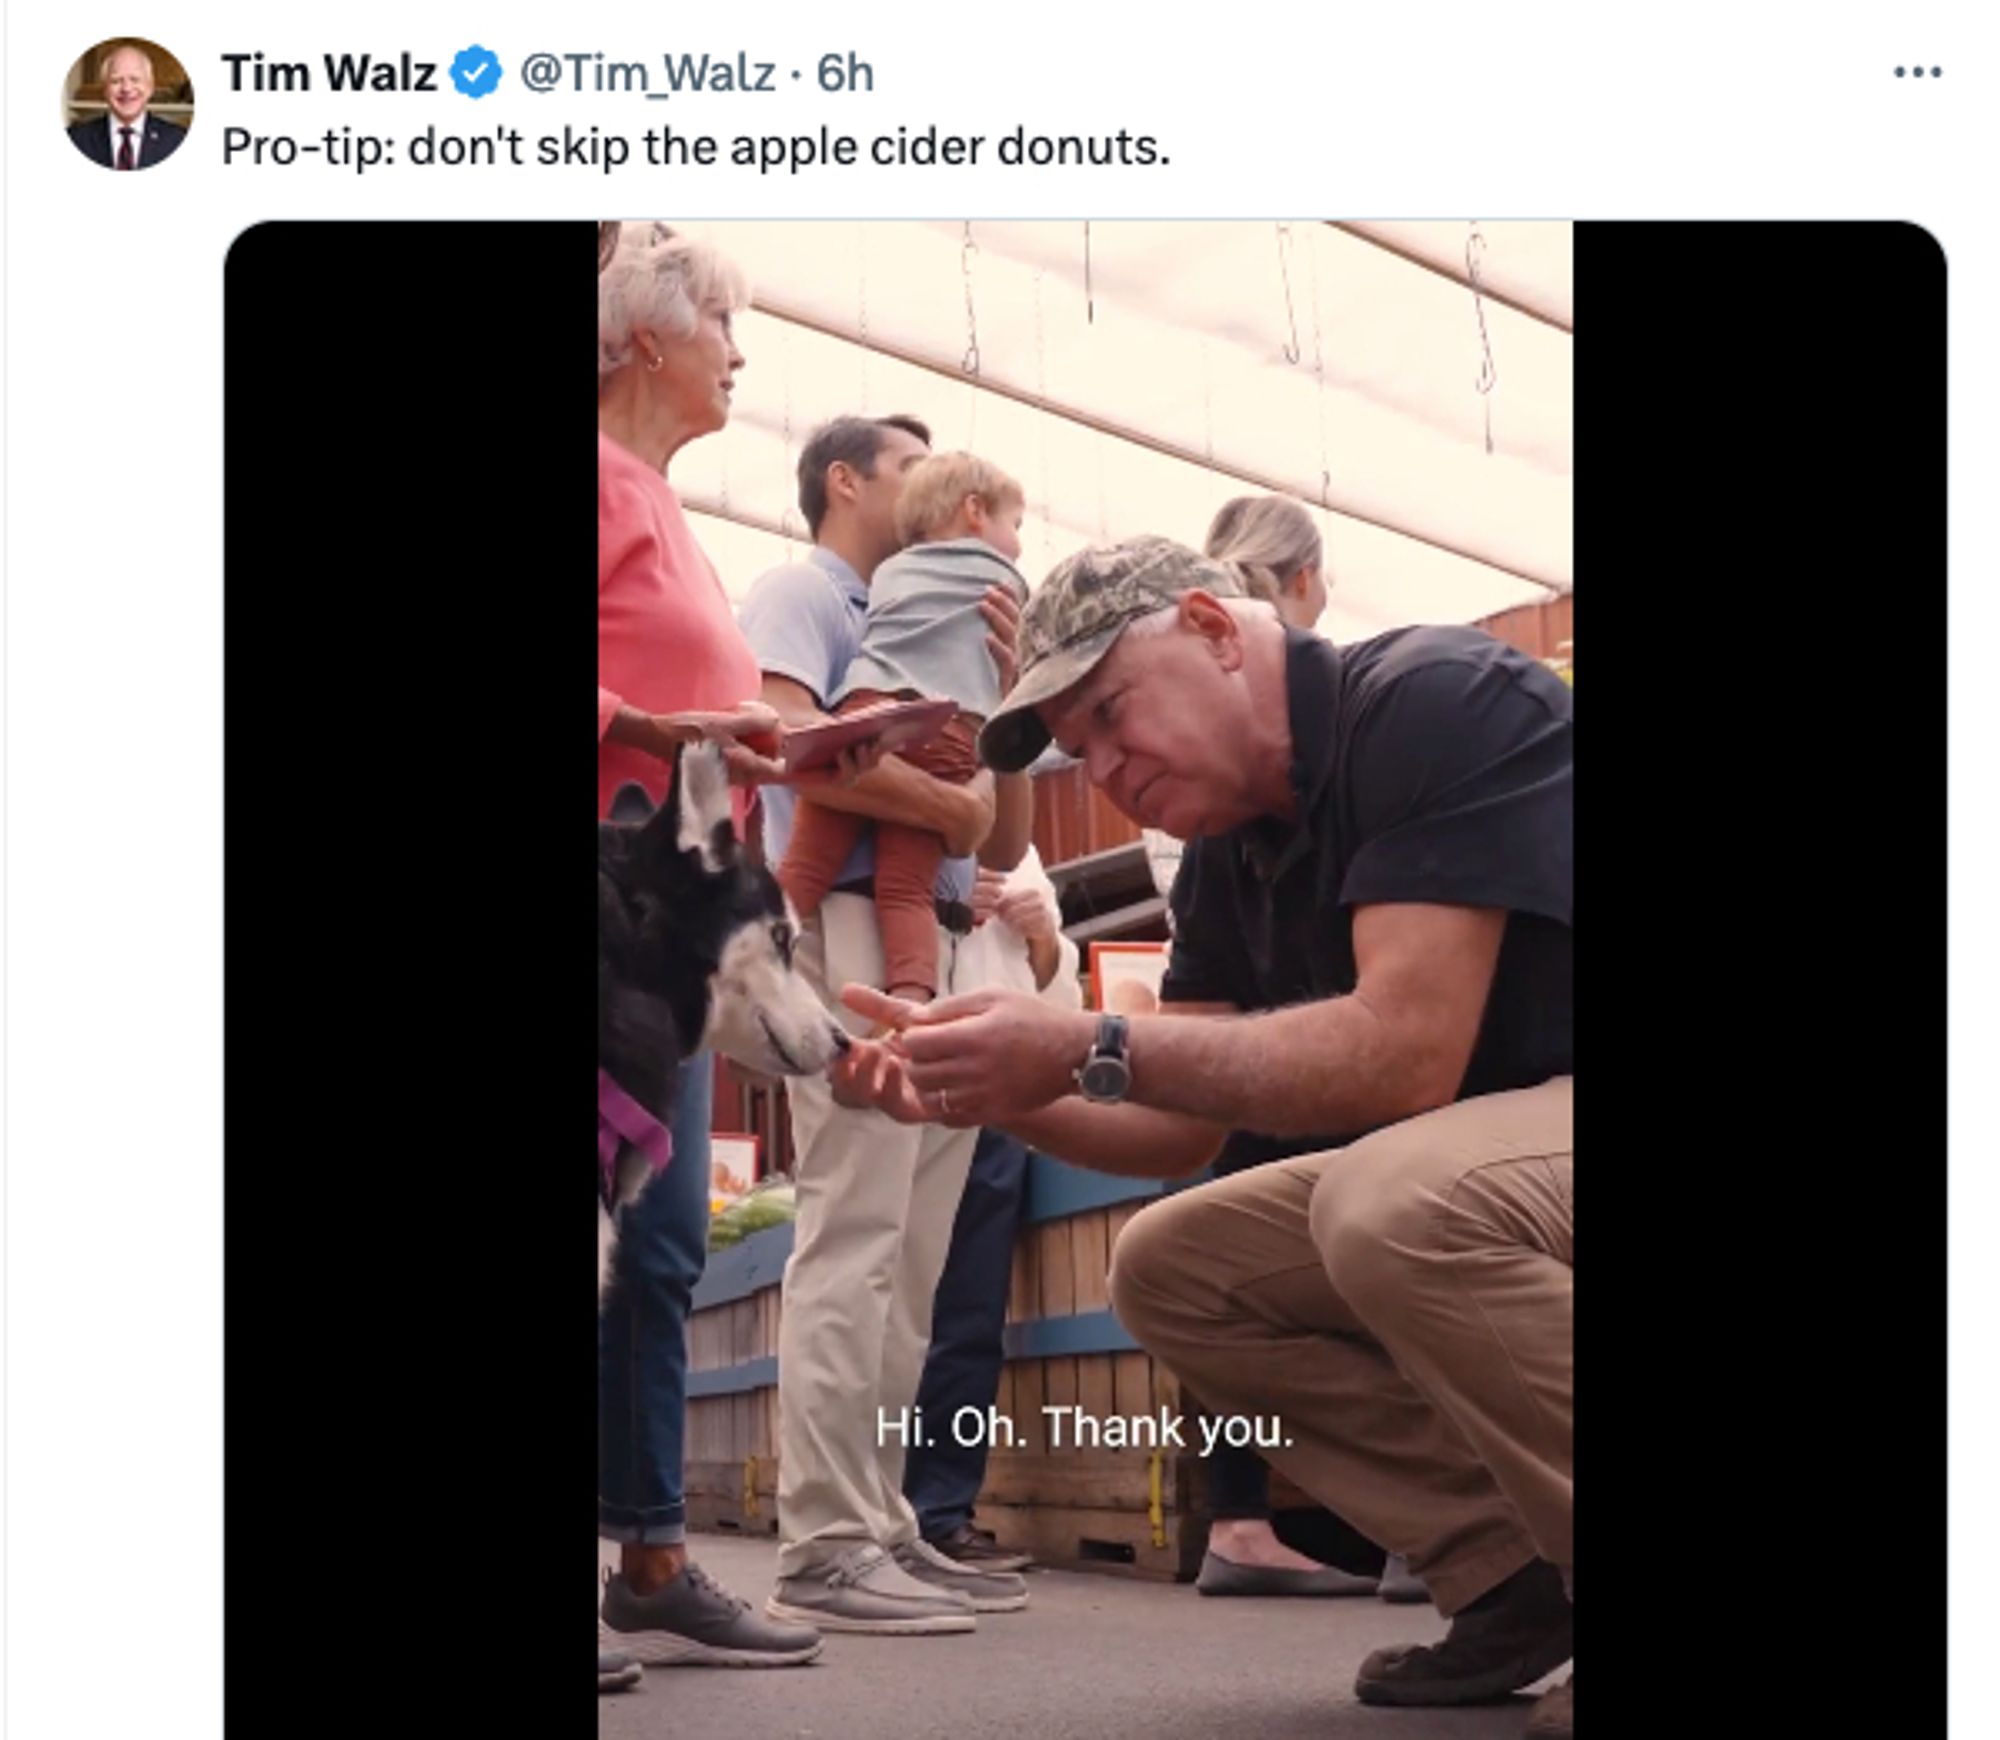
(962, 1369)
(642, 1340)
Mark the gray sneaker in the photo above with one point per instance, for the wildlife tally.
(617, 1673)
(695, 1622)
(865, 1590)
(988, 1591)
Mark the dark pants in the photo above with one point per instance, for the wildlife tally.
(1239, 1484)
(962, 1369)
(642, 1340)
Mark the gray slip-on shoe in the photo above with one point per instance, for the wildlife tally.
(864, 1590)
(1220, 1576)
(988, 1591)
(695, 1622)
(1398, 1585)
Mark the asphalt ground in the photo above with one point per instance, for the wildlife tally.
(1093, 1657)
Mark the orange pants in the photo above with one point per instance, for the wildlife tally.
(906, 859)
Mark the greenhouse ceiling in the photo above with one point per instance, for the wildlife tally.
(1409, 382)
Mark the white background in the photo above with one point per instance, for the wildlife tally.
(114, 606)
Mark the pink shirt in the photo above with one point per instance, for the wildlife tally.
(667, 641)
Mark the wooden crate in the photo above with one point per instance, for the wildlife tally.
(730, 1459)
(1135, 1510)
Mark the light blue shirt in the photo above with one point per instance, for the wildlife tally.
(925, 633)
(803, 621)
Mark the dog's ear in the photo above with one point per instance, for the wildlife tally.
(630, 805)
(703, 822)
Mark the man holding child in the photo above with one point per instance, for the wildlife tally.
(877, 1198)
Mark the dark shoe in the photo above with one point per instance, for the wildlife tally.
(1509, 1638)
(695, 1622)
(1398, 1585)
(978, 1549)
(1221, 1576)
(617, 1673)
(1552, 1719)
(988, 1591)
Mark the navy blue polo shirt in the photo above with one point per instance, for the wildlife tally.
(1431, 765)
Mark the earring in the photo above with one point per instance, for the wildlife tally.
(653, 367)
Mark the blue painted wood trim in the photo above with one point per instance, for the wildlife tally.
(730, 1380)
(1051, 1337)
(746, 1268)
(1045, 1338)
(1057, 1189)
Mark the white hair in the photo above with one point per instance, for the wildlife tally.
(660, 280)
(104, 66)
(1162, 621)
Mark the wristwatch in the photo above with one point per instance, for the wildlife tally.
(1106, 1075)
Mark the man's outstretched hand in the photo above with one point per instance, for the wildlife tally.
(964, 1061)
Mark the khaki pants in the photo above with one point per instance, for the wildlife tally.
(876, 1204)
(1403, 1305)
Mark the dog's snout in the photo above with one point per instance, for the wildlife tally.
(841, 1042)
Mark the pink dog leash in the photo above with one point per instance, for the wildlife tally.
(620, 1118)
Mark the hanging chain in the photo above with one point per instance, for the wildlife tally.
(1291, 350)
(1089, 298)
(970, 362)
(1042, 405)
(1475, 245)
(1207, 406)
(788, 490)
(1319, 379)
(861, 277)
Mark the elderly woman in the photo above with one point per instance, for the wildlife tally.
(672, 669)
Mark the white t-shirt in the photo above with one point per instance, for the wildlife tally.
(996, 955)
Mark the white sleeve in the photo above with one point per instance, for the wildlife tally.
(1065, 990)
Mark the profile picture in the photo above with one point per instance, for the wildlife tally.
(127, 104)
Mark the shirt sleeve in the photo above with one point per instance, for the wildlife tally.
(1065, 987)
(624, 528)
(1460, 789)
(1063, 991)
(792, 620)
(1201, 968)
(624, 537)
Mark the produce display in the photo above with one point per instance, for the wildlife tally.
(770, 1204)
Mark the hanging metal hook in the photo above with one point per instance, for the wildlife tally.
(1291, 351)
(1319, 383)
(970, 361)
(1475, 246)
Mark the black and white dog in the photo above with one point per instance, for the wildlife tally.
(694, 951)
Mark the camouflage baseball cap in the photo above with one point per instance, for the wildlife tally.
(1074, 619)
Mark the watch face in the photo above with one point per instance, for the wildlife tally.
(1105, 1078)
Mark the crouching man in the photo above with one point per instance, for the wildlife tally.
(1372, 938)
